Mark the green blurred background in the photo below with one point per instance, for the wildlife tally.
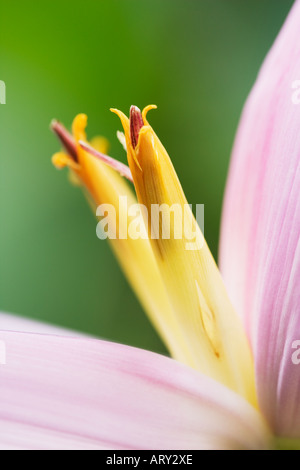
(196, 60)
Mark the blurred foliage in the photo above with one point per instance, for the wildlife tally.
(196, 60)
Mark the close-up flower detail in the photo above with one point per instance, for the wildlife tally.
(230, 381)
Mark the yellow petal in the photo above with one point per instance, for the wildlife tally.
(210, 327)
(105, 186)
(61, 160)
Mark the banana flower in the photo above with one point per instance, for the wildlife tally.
(233, 381)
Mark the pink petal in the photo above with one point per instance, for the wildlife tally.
(260, 249)
(77, 393)
(12, 322)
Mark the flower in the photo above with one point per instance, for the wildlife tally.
(79, 392)
(261, 226)
(190, 307)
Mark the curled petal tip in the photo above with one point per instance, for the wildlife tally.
(61, 160)
(145, 111)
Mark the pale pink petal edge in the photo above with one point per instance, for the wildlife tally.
(78, 393)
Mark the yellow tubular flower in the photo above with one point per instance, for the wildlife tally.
(104, 185)
(210, 328)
